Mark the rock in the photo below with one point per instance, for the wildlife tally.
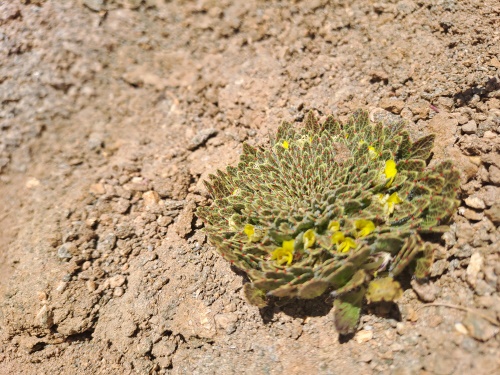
(427, 292)
(491, 158)
(392, 105)
(468, 169)
(488, 134)
(118, 292)
(494, 213)
(163, 351)
(494, 175)
(439, 267)
(475, 265)
(489, 194)
(479, 328)
(150, 198)
(470, 127)
(201, 137)
(106, 243)
(470, 214)
(184, 223)
(366, 356)
(459, 327)
(475, 202)
(444, 126)
(419, 108)
(95, 5)
(164, 221)
(363, 336)
(44, 318)
(121, 205)
(97, 189)
(227, 322)
(67, 250)
(117, 281)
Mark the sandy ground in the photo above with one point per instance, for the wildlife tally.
(113, 112)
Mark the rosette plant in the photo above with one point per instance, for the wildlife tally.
(331, 207)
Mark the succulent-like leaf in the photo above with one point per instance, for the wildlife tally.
(383, 289)
(348, 310)
(254, 296)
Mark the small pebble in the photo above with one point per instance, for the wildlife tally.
(118, 292)
(459, 327)
(470, 127)
(475, 265)
(475, 202)
(363, 336)
(117, 281)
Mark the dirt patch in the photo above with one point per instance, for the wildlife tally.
(113, 112)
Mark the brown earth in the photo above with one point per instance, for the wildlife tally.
(113, 112)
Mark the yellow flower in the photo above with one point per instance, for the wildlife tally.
(390, 171)
(392, 201)
(337, 238)
(334, 226)
(364, 227)
(347, 244)
(343, 243)
(284, 254)
(285, 145)
(389, 202)
(249, 230)
(372, 152)
(309, 238)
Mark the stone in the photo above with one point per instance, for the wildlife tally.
(45, 318)
(469, 128)
(475, 265)
(427, 292)
(479, 328)
(419, 108)
(444, 126)
(363, 336)
(117, 281)
(67, 250)
(491, 158)
(201, 137)
(475, 202)
(97, 189)
(494, 213)
(470, 214)
(150, 198)
(494, 175)
(107, 242)
(392, 105)
(489, 194)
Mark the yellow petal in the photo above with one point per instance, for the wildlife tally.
(346, 245)
(288, 245)
(285, 145)
(372, 152)
(394, 198)
(364, 227)
(334, 226)
(390, 171)
(337, 238)
(309, 237)
(282, 256)
(249, 230)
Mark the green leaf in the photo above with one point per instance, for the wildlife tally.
(254, 296)
(384, 289)
(313, 288)
(347, 311)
